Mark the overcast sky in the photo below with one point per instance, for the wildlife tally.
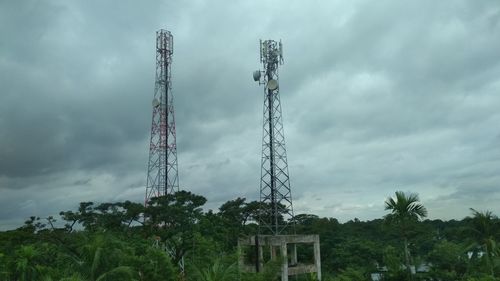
(377, 96)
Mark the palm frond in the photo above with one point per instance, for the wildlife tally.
(74, 277)
(123, 271)
(95, 263)
(405, 207)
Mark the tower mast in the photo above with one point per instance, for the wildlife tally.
(162, 176)
(276, 219)
(275, 193)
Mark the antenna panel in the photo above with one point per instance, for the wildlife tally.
(256, 75)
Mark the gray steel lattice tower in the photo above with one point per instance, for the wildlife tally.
(162, 166)
(275, 193)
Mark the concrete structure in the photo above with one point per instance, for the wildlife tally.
(284, 247)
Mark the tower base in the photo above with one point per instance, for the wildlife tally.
(282, 246)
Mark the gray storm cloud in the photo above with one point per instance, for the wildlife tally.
(377, 97)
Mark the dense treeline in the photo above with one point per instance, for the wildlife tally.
(126, 241)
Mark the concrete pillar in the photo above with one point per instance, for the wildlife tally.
(317, 257)
(273, 252)
(284, 266)
(293, 254)
(241, 255)
(261, 257)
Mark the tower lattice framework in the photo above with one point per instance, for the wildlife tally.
(162, 176)
(276, 214)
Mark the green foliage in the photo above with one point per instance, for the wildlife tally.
(154, 264)
(114, 241)
(25, 262)
(174, 212)
(270, 272)
(393, 261)
(120, 273)
(449, 261)
(4, 273)
(218, 271)
(484, 227)
(482, 278)
(351, 274)
(74, 277)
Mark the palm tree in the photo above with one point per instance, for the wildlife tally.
(483, 229)
(25, 263)
(100, 259)
(218, 272)
(405, 211)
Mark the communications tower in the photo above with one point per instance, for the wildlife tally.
(276, 219)
(275, 193)
(162, 176)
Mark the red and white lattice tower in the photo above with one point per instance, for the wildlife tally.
(163, 177)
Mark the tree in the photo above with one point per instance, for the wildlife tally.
(392, 261)
(483, 229)
(102, 257)
(133, 212)
(25, 263)
(233, 217)
(174, 211)
(85, 216)
(448, 261)
(405, 210)
(155, 264)
(173, 218)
